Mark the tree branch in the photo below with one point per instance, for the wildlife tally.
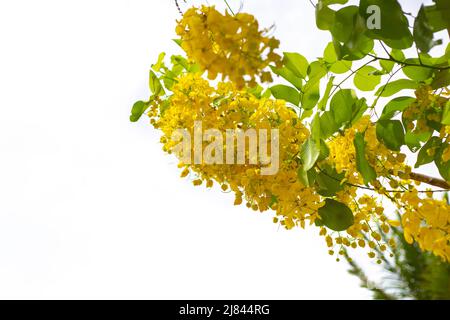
(440, 183)
(407, 64)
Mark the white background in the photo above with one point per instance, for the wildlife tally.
(90, 206)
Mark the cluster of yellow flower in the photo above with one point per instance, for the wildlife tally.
(370, 222)
(229, 108)
(426, 221)
(295, 204)
(231, 45)
(428, 107)
(386, 163)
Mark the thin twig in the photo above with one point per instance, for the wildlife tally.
(407, 64)
(384, 88)
(350, 75)
(178, 7)
(231, 10)
(414, 176)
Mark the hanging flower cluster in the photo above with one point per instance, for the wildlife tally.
(225, 108)
(349, 174)
(425, 220)
(343, 154)
(427, 110)
(229, 45)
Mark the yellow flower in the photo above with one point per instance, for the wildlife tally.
(226, 107)
(425, 220)
(229, 45)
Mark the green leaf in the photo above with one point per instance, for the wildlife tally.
(329, 55)
(396, 86)
(358, 109)
(424, 157)
(302, 175)
(170, 76)
(286, 93)
(182, 61)
(391, 134)
(366, 78)
(310, 96)
(155, 85)
(344, 22)
(309, 154)
(417, 73)
(323, 103)
(256, 91)
(403, 43)
(341, 66)
(423, 32)
(296, 63)
(164, 106)
(443, 167)
(388, 65)
(414, 140)
(316, 71)
(441, 80)
(341, 106)
(437, 16)
(273, 200)
(396, 105)
(328, 181)
(267, 93)
(138, 109)
(446, 114)
(349, 37)
(394, 27)
(367, 171)
(328, 125)
(306, 177)
(311, 90)
(316, 132)
(324, 16)
(306, 114)
(398, 55)
(324, 151)
(356, 49)
(177, 41)
(318, 223)
(160, 63)
(289, 76)
(336, 215)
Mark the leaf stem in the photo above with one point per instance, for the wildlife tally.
(231, 10)
(407, 64)
(349, 76)
(413, 176)
(178, 7)
(384, 88)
